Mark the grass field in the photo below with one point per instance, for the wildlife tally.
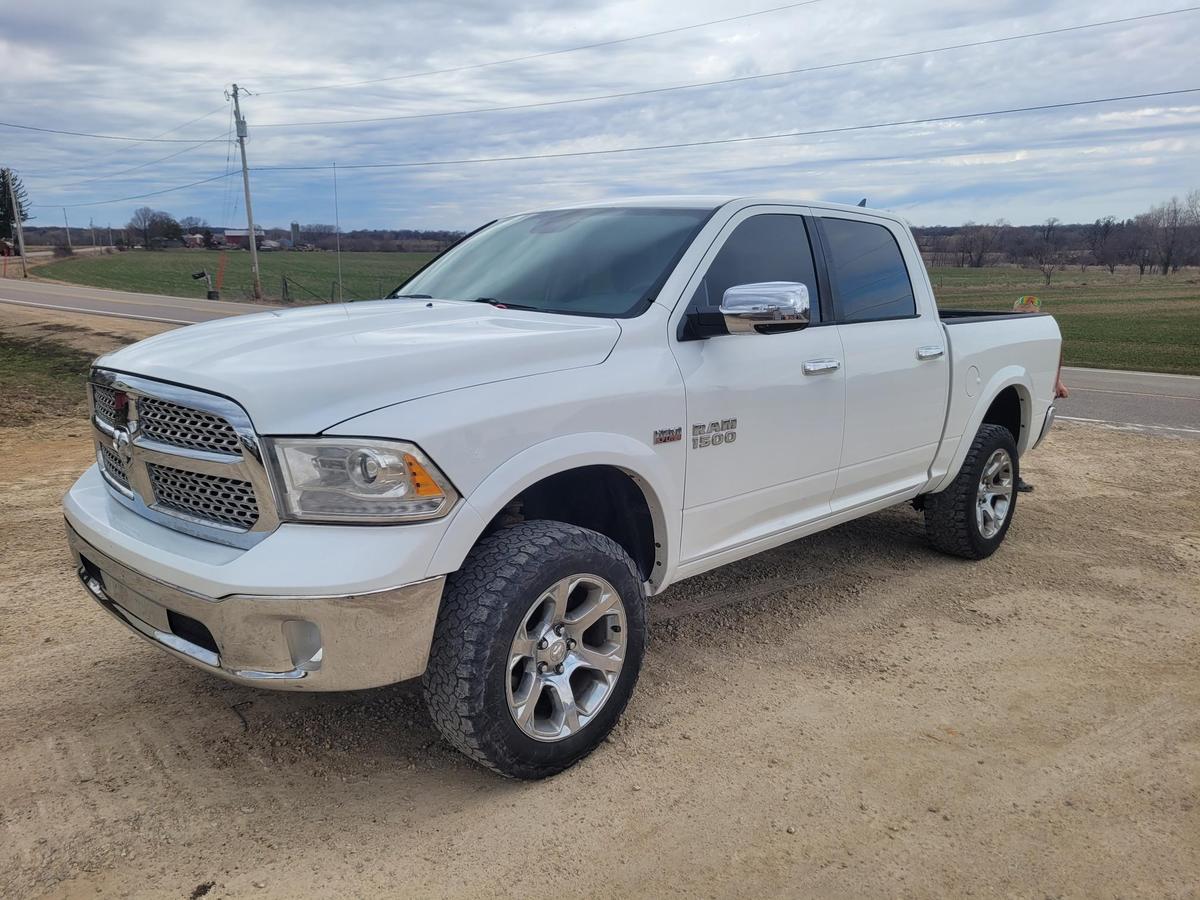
(311, 275)
(1108, 321)
(1116, 321)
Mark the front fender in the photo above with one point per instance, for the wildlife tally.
(551, 457)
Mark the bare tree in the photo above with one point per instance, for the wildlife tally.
(1047, 249)
(1102, 242)
(1138, 243)
(1167, 221)
(977, 242)
(192, 224)
(1192, 238)
(140, 224)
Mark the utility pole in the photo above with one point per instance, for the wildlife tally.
(16, 211)
(241, 135)
(68, 227)
(337, 233)
(92, 226)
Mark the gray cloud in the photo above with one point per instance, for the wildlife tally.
(139, 69)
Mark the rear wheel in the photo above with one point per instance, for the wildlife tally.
(537, 647)
(971, 517)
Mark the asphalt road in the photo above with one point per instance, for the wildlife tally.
(124, 305)
(1141, 401)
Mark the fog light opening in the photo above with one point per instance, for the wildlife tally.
(304, 644)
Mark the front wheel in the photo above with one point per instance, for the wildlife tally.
(537, 648)
(971, 516)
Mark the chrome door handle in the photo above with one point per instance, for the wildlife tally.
(931, 351)
(821, 366)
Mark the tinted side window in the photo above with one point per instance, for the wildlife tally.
(869, 276)
(770, 247)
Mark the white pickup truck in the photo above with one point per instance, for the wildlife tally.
(481, 480)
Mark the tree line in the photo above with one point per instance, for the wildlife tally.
(1163, 239)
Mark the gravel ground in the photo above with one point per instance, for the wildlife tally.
(851, 715)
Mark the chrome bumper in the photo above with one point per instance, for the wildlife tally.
(1047, 424)
(282, 643)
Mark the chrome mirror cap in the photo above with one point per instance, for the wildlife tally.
(765, 307)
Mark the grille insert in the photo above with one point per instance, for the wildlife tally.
(114, 466)
(226, 501)
(105, 405)
(181, 426)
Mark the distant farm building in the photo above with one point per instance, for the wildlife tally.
(236, 237)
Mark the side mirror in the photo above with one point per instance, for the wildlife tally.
(765, 308)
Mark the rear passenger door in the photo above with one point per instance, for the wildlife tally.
(897, 371)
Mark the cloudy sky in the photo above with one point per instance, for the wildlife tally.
(141, 70)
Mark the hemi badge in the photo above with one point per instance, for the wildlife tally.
(668, 435)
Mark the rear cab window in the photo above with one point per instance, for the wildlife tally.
(867, 269)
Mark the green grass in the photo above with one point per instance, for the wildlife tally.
(1116, 321)
(364, 275)
(1120, 321)
(40, 376)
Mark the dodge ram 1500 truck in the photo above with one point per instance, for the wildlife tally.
(480, 480)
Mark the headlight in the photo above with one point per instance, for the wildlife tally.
(358, 480)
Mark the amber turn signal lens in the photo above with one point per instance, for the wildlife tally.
(422, 482)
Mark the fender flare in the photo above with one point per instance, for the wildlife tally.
(1009, 376)
(561, 454)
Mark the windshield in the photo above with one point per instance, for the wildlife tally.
(595, 262)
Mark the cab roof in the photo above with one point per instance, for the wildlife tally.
(714, 202)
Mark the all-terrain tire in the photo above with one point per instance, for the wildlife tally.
(484, 603)
(950, 515)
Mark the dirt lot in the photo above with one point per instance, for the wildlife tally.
(852, 715)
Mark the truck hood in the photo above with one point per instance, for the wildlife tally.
(301, 371)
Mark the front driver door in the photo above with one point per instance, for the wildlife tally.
(763, 430)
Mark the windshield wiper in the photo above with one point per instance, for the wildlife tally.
(411, 296)
(505, 304)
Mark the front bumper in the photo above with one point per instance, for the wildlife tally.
(282, 642)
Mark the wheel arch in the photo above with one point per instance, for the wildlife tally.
(1008, 395)
(550, 474)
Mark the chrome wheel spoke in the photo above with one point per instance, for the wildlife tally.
(523, 711)
(558, 595)
(609, 663)
(564, 704)
(522, 646)
(590, 615)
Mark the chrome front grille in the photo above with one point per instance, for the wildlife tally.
(186, 459)
(180, 426)
(113, 465)
(228, 501)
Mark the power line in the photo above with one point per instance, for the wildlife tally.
(115, 137)
(221, 137)
(676, 146)
(734, 80)
(170, 190)
(545, 53)
(739, 140)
